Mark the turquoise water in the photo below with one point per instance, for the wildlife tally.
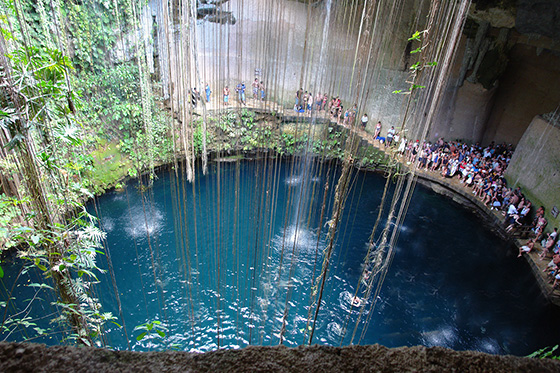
(245, 268)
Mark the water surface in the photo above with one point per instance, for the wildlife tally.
(232, 263)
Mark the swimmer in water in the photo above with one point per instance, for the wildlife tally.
(356, 302)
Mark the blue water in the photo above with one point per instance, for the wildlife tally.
(229, 263)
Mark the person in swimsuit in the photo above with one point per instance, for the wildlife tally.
(226, 95)
(527, 247)
(377, 130)
(550, 241)
(255, 86)
(261, 87)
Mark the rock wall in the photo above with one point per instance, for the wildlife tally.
(500, 81)
(312, 45)
(535, 166)
(528, 87)
(505, 71)
(23, 357)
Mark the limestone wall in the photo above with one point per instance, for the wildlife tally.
(291, 45)
(499, 81)
(528, 87)
(535, 166)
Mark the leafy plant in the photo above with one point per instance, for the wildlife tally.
(151, 329)
(418, 66)
(545, 353)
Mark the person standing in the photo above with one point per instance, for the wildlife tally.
(364, 121)
(299, 99)
(255, 86)
(318, 102)
(208, 92)
(402, 146)
(346, 119)
(195, 96)
(240, 89)
(324, 103)
(390, 135)
(226, 95)
(377, 130)
(261, 87)
(304, 102)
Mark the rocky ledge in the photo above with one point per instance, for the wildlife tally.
(24, 357)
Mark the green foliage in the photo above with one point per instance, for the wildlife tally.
(289, 142)
(418, 66)
(111, 100)
(333, 143)
(155, 333)
(136, 146)
(44, 98)
(14, 323)
(81, 241)
(112, 106)
(372, 158)
(43, 114)
(151, 329)
(247, 118)
(197, 138)
(227, 121)
(109, 166)
(417, 36)
(9, 213)
(233, 130)
(545, 353)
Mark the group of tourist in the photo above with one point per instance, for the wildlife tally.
(195, 95)
(307, 102)
(482, 169)
(257, 86)
(258, 92)
(477, 167)
(551, 247)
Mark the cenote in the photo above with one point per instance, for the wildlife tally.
(220, 263)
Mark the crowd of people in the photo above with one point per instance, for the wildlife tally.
(481, 169)
(478, 168)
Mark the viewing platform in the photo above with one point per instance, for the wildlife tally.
(450, 187)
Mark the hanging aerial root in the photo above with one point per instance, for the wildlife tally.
(341, 191)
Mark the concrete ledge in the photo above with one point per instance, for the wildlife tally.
(22, 357)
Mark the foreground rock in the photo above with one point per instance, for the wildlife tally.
(22, 357)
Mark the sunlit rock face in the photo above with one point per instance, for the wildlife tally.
(313, 45)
